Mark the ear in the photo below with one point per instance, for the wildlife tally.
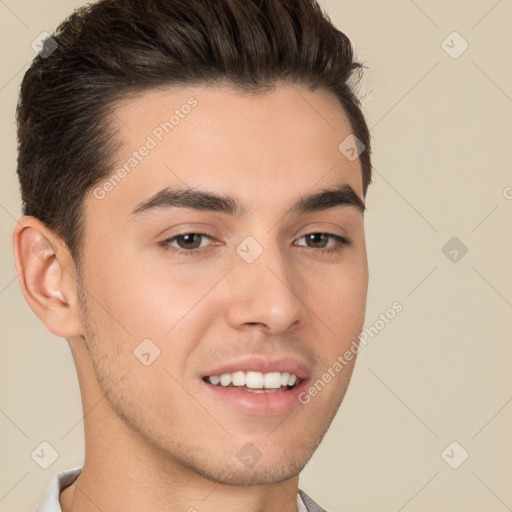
(47, 276)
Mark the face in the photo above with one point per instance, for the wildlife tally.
(180, 287)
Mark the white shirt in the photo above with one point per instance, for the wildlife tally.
(65, 478)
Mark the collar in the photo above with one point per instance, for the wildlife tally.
(65, 478)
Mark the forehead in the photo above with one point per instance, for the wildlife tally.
(266, 148)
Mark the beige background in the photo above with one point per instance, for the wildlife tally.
(437, 373)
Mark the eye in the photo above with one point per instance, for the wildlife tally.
(319, 241)
(187, 243)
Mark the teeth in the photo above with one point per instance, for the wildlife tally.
(255, 380)
(272, 380)
(225, 379)
(238, 378)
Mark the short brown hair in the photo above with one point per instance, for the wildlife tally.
(110, 49)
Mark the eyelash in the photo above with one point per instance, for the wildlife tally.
(342, 242)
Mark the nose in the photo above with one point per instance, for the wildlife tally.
(267, 292)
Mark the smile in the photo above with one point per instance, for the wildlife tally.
(257, 385)
(255, 382)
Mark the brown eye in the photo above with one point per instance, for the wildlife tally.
(187, 243)
(317, 240)
(320, 241)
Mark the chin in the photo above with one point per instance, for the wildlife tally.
(272, 467)
(260, 474)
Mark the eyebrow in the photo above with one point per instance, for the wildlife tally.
(344, 195)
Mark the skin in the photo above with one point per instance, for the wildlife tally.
(154, 439)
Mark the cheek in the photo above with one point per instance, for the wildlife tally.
(338, 296)
(146, 301)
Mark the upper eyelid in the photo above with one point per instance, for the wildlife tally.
(202, 227)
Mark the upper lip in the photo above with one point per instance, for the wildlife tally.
(263, 365)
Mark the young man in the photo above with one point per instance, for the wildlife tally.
(193, 177)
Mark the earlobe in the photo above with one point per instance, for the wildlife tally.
(46, 276)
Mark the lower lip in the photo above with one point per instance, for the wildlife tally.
(258, 404)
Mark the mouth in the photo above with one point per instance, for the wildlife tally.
(255, 382)
(257, 387)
